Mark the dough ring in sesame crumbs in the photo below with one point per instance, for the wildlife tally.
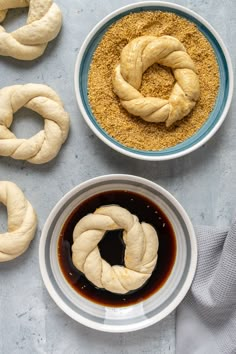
(136, 57)
(22, 222)
(29, 41)
(141, 246)
(45, 145)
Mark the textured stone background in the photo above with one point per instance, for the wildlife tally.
(204, 182)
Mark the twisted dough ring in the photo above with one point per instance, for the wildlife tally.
(140, 254)
(136, 57)
(22, 222)
(29, 42)
(45, 145)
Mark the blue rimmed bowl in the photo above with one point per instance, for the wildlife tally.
(223, 100)
(135, 316)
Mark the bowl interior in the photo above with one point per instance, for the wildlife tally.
(142, 314)
(81, 82)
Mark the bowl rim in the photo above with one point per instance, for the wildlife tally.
(143, 156)
(149, 321)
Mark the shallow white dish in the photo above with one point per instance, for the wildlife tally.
(222, 103)
(142, 314)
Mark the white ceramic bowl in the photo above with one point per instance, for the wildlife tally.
(222, 103)
(132, 317)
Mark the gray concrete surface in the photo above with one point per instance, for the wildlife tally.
(204, 182)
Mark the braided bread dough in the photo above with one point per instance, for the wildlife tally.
(136, 57)
(45, 145)
(22, 222)
(29, 42)
(141, 242)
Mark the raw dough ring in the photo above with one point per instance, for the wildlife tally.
(140, 253)
(29, 42)
(136, 57)
(45, 145)
(22, 222)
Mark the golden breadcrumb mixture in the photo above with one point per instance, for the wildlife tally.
(158, 81)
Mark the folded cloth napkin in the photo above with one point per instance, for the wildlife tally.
(206, 319)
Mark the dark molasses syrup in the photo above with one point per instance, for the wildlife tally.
(112, 247)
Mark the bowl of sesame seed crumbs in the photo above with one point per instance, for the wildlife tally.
(101, 107)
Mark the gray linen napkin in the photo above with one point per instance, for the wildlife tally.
(206, 319)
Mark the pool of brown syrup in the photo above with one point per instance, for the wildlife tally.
(112, 247)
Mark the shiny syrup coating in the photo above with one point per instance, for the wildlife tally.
(112, 248)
